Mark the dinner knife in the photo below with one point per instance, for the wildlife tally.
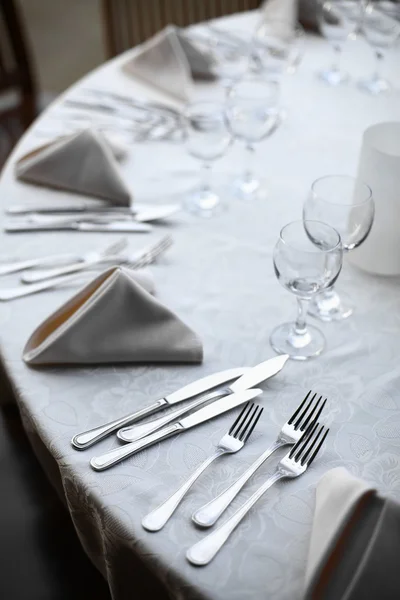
(115, 226)
(99, 463)
(88, 438)
(26, 209)
(253, 377)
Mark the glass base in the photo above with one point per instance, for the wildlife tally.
(203, 202)
(333, 77)
(329, 306)
(375, 86)
(247, 188)
(284, 340)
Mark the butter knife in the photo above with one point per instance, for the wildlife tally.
(252, 377)
(88, 438)
(100, 463)
(115, 226)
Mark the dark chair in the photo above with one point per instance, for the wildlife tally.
(130, 22)
(41, 557)
(17, 86)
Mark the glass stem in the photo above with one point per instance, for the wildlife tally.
(300, 326)
(378, 68)
(206, 177)
(249, 161)
(337, 49)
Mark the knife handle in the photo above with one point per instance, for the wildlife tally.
(137, 432)
(100, 463)
(84, 440)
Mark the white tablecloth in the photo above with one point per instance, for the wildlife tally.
(219, 278)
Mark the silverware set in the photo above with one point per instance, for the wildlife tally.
(208, 398)
(112, 112)
(39, 280)
(86, 217)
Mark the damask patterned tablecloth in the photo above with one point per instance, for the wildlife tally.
(219, 279)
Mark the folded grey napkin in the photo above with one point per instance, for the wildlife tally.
(113, 319)
(84, 163)
(280, 10)
(170, 62)
(355, 542)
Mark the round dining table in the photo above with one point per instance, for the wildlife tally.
(218, 277)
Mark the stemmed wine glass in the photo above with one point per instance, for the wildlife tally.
(338, 20)
(307, 259)
(381, 31)
(252, 112)
(346, 204)
(207, 138)
(279, 46)
(231, 52)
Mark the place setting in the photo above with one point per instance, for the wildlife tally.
(193, 428)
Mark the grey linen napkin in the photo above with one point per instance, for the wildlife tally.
(84, 163)
(170, 62)
(113, 319)
(355, 542)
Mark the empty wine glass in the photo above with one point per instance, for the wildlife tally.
(252, 112)
(346, 204)
(279, 46)
(381, 31)
(338, 20)
(207, 138)
(307, 259)
(231, 51)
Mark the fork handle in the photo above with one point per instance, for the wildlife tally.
(205, 550)
(42, 275)
(208, 514)
(14, 267)
(156, 519)
(34, 288)
(84, 440)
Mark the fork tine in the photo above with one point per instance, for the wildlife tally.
(297, 424)
(312, 416)
(309, 443)
(245, 422)
(317, 449)
(246, 406)
(298, 409)
(304, 439)
(255, 421)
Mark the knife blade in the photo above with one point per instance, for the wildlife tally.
(116, 226)
(252, 377)
(107, 460)
(88, 438)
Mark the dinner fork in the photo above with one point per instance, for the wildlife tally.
(290, 433)
(294, 464)
(230, 443)
(20, 265)
(149, 254)
(34, 288)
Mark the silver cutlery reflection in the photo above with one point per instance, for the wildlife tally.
(105, 461)
(230, 443)
(86, 439)
(115, 226)
(7, 294)
(148, 254)
(253, 377)
(294, 464)
(291, 432)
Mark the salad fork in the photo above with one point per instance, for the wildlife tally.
(290, 433)
(294, 464)
(230, 443)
